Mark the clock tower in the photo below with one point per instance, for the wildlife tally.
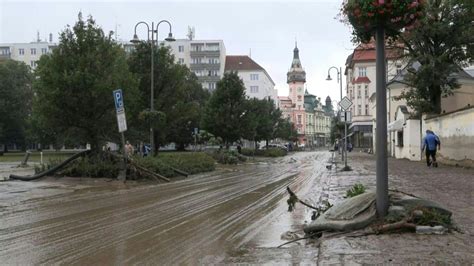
(296, 78)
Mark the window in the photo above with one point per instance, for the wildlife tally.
(212, 73)
(352, 96)
(21, 51)
(362, 72)
(399, 69)
(366, 91)
(254, 89)
(299, 119)
(299, 98)
(400, 138)
(213, 60)
(197, 60)
(197, 48)
(359, 109)
(33, 64)
(366, 109)
(358, 91)
(212, 86)
(181, 61)
(33, 51)
(253, 76)
(181, 48)
(44, 50)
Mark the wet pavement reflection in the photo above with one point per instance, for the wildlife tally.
(233, 215)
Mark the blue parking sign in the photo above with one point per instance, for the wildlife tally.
(118, 97)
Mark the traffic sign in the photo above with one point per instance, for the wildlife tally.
(118, 97)
(122, 122)
(345, 103)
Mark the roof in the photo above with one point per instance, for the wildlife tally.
(400, 77)
(361, 80)
(241, 62)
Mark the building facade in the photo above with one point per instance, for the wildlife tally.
(360, 76)
(257, 81)
(311, 119)
(206, 58)
(28, 53)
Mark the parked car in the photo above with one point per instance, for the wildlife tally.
(275, 145)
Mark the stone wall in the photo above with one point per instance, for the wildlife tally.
(456, 133)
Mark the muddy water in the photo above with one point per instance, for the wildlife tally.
(233, 215)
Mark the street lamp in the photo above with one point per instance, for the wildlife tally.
(135, 39)
(339, 80)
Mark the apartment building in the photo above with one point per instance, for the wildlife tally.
(206, 58)
(360, 75)
(28, 53)
(257, 81)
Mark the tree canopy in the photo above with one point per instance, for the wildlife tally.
(226, 108)
(75, 84)
(15, 101)
(442, 42)
(178, 96)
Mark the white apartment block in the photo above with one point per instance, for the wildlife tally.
(206, 58)
(360, 76)
(28, 53)
(257, 81)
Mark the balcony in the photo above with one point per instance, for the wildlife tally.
(207, 66)
(205, 53)
(209, 78)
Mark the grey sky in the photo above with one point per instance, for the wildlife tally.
(268, 28)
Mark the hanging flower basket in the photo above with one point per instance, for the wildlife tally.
(393, 15)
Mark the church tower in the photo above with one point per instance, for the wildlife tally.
(296, 78)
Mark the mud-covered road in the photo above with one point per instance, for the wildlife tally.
(235, 214)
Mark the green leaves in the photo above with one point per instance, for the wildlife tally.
(75, 84)
(442, 44)
(15, 101)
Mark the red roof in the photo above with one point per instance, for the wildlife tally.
(361, 80)
(367, 52)
(240, 62)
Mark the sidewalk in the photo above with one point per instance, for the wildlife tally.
(450, 186)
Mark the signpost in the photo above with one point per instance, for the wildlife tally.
(122, 127)
(345, 104)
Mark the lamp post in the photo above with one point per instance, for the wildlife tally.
(135, 39)
(339, 80)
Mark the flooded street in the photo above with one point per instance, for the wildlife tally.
(232, 215)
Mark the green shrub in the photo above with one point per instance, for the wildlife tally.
(355, 190)
(274, 152)
(191, 163)
(248, 152)
(92, 167)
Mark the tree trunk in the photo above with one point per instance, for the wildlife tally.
(435, 98)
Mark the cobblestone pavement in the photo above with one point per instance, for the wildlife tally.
(452, 187)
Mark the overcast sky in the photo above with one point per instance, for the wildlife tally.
(267, 28)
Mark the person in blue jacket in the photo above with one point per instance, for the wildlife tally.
(431, 142)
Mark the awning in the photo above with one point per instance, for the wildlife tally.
(396, 125)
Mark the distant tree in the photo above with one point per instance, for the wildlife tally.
(224, 113)
(75, 84)
(286, 130)
(337, 127)
(15, 101)
(442, 41)
(178, 97)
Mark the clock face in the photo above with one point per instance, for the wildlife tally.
(300, 89)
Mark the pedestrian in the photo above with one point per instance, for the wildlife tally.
(349, 147)
(128, 149)
(239, 149)
(430, 143)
